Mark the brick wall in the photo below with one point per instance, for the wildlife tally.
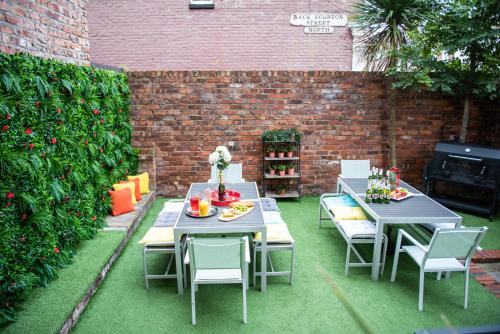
(236, 35)
(180, 117)
(50, 28)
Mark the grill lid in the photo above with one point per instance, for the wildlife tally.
(470, 151)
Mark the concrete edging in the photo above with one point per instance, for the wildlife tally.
(80, 307)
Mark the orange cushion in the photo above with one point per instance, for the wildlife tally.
(137, 188)
(121, 201)
(130, 185)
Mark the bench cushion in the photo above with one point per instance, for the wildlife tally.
(272, 217)
(358, 228)
(276, 233)
(269, 204)
(348, 213)
(341, 200)
(158, 236)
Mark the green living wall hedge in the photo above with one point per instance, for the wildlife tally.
(64, 139)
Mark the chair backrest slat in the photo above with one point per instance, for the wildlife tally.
(233, 173)
(455, 243)
(355, 168)
(216, 253)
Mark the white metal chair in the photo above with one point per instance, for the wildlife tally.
(218, 261)
(232, 174)
(442, 254)
(353, 232)
(354, 169)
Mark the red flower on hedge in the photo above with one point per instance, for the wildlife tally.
(31, 145)
(10, 195)
(28, 131)
(86, 141)
(5, 128)
(102, 120)
(82, 101)
(94, 218)
(101, 150)
(58, 110)
(53, 140)
(95, 134)
(78, 213)
(7, 205)
(37, 103)
(96, 112)
(7, 117)
(56, 250)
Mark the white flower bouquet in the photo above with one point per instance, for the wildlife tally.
(220, 158)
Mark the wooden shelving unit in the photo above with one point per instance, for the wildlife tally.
(292, 183)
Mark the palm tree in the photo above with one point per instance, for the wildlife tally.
(385, 25)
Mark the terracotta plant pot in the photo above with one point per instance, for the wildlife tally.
(282, 192)
(289, 154)
(281, 154)
(272, 172)
(291, 171)
(272, 154)
(282, 172)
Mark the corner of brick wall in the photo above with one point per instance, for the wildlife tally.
(52, 29)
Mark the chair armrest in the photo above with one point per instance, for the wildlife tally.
(414, 241)
(186, 257)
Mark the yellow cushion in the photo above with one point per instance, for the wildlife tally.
(129, 185)
(348, 213)
(143, 181)
(277, 233)
(158, 236)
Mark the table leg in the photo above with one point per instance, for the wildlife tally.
(178, 262)
(377, 247)
(263, 269)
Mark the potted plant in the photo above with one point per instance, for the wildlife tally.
(289, 151)
(272, 170)
(290, 169)
(281, 152)
(271, 150)
(282, 169)
(281, 189)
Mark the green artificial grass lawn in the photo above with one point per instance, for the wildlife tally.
(47, 309)
(123, 305)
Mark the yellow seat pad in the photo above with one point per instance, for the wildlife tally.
(348, 213)
(277, 233)
(158, 236)
(130, 185)
(143, 181)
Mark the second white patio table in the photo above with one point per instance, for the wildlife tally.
(252, 222)
(419, 209)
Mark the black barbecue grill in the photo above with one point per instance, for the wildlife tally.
(464, 177)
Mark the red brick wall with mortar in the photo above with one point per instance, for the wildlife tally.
(180, 117)
(236, 35)
(49, 28)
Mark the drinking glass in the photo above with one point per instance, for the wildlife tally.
(194, 200)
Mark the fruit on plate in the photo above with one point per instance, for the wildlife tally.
(228, 213)
(399, 193)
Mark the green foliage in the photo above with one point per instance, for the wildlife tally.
(64, 139)
(465, 30)
(385, 25)
(282, 135)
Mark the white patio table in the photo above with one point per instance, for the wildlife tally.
(419, 209)
(252, 222)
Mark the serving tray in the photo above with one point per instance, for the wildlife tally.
(221, 218)
(211, 212)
